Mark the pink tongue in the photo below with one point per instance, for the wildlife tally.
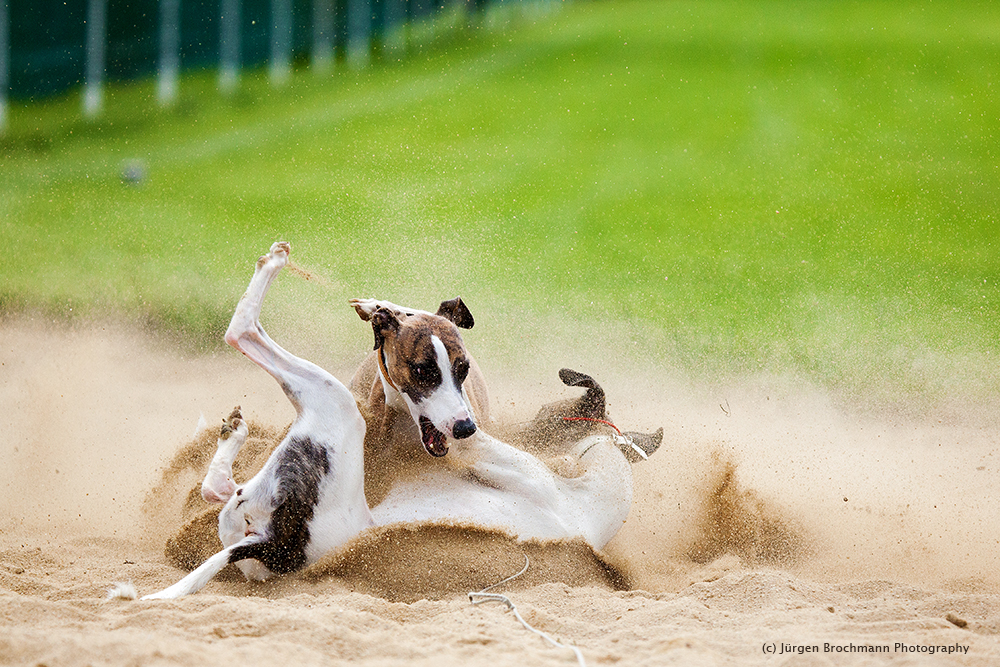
(434, 440)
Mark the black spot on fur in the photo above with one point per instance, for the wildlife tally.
(301, 467)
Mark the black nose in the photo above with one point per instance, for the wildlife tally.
(463, 429)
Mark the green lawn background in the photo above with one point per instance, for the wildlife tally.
(715, 188)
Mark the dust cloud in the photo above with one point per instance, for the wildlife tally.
(103, 437)
(772, 512)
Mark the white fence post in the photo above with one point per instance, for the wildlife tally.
(322, 36)
(4, 62)
(281, 41)
(170, 52)
(394, 25)
(359, 32)
(93, 80)
(229, 46)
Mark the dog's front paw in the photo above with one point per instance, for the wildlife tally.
(233, 423)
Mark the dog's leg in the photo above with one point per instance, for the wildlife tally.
(218, 485)
(502, 466)
(593, 505)
(599, 499)
(306, 384)
(309, 496)
(245, 332)
(328, 424)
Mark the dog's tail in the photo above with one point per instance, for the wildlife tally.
(197, 579)
(122, 590)
(592, 403)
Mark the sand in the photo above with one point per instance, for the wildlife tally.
(774, 518)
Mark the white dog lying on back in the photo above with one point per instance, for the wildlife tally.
(309, 497)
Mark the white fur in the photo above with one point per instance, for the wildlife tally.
(326, 413)
(492, 484)
(122, 590)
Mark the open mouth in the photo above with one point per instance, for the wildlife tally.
(434, 440)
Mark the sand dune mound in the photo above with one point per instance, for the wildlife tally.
(405, 563)
(738, 521)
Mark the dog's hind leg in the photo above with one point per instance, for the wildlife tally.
(601, 496)
(309, 496)
(247, 335)
(327, 418)
(307, 385)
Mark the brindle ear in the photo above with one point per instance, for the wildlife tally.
(456, 311)
(383, 321)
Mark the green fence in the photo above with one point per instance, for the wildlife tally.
(49, 46)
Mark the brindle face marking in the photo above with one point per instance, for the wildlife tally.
(416, 367)
(427, 363)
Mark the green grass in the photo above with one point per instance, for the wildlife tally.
(726, 186)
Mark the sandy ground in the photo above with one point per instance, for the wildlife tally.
(772, 521)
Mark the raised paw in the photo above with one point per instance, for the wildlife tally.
(277, 258)
(640, 446)
(218, 485)
(234, 422)
(281, 247)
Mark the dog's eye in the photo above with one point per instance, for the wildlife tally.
(427, 374)
(460, 370)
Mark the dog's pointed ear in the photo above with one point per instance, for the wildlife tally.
(456, 311)
(383, 322)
